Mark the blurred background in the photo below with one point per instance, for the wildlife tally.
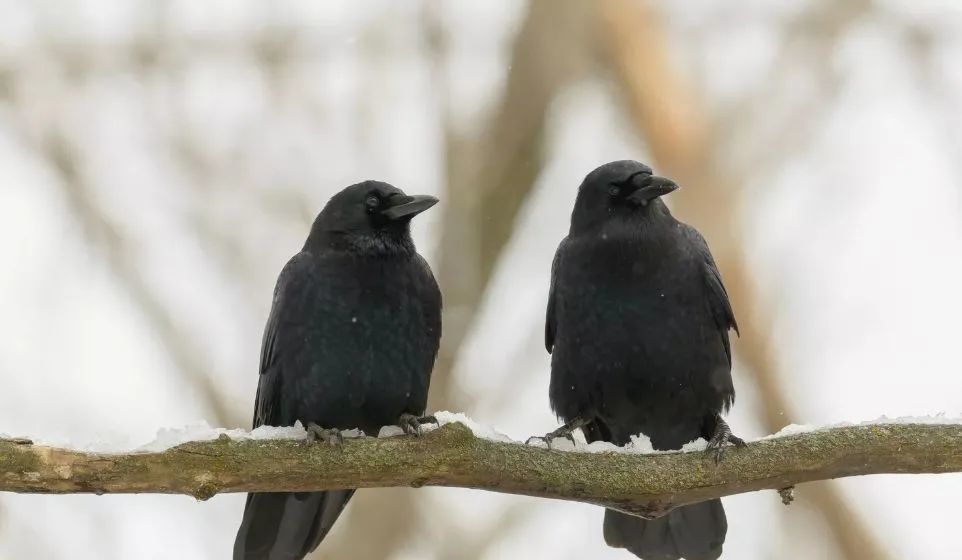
(160, 161)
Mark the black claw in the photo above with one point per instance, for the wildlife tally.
(545, 439)
(722, 435)
(411, 424)
(330, 436)
(566, 431)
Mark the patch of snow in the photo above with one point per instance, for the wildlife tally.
(939, 418)
(270, 432)
(392, 431)
(640, 444)
(695, 445)
(791, 430)
(795, 429)
(201, 431)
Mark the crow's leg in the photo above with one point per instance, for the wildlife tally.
(566, 431)
(411, 424)
(720, 436)
(330, 436)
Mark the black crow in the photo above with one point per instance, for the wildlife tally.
(637, 327)
(350, 343)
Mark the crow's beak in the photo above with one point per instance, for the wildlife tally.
(408, 206)
(651, 188)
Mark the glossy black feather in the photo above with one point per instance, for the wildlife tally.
(350, 343)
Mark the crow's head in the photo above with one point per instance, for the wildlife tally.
(370, 216)
(620, 190)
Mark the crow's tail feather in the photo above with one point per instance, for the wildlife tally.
(695, 532)
(287, 525)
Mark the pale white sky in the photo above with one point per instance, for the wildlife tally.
(856, 241)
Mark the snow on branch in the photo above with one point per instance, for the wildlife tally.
(463, 454)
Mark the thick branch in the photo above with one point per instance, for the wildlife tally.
(645, 484)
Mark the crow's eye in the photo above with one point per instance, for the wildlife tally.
(614, 190)
(372, 202)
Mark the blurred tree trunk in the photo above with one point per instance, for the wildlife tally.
(488, 176)
(671, 118)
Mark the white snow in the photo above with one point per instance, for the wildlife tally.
(939, 418)
(639, 445)
(795, 429)
(391, 431)
(791, 430)
(201, 431)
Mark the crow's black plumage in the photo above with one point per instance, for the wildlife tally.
(637, 325)
(350, 343)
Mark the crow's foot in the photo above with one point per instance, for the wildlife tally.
(566, 431)
(411, 424)
(330, 436)
(722, 435)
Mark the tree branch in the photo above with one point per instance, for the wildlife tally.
(643, 484)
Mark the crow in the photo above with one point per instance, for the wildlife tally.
(350, 342)
(637, 327)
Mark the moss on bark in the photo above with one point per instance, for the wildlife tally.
(452, 456)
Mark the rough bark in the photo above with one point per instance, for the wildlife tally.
(643, 484)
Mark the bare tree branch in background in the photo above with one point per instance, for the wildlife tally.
(669, 115)
(805, 49)
(488, 176)
(95, 222)
(489, 173)
(53, 147)
(921, 45)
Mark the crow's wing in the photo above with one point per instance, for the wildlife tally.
(550, 324)
(720, 306)
(294, 285)
(285, 524)
(430, 296)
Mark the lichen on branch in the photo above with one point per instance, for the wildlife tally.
(646, 484)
